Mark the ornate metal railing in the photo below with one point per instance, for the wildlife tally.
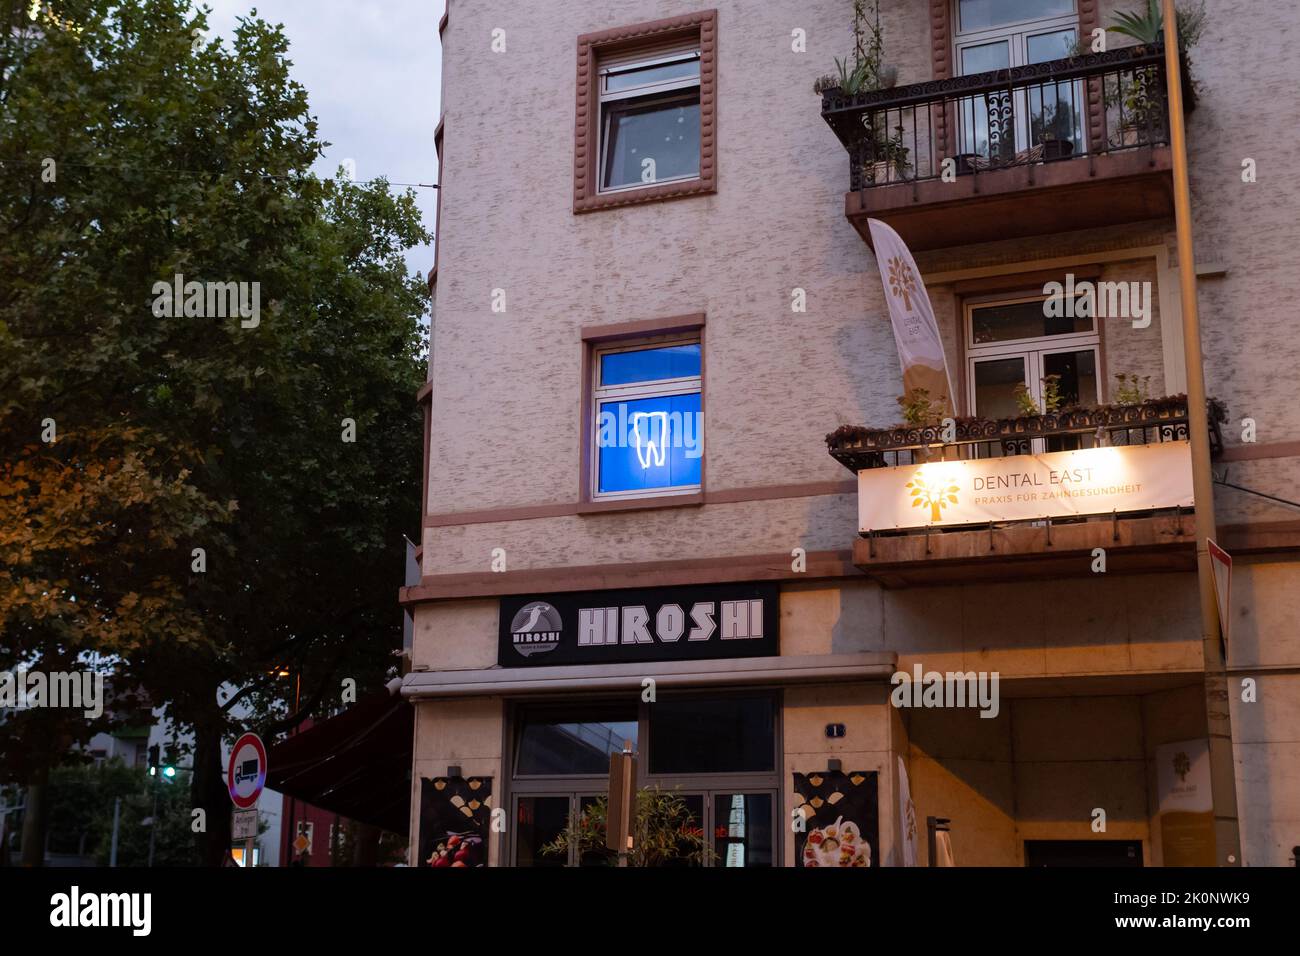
(1156, 420)
(1085, 105)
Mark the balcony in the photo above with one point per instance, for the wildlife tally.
(1003, 511)
(1068, 144)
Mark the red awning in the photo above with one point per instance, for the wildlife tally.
(356, 764)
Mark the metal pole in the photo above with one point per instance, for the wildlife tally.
(117, 818)
(1223, 786)
(153, 822)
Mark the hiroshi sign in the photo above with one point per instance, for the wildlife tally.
(1051, 485)
(651, 624)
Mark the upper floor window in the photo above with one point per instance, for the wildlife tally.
(646, 121)
(975, 15)
(648, 423)
(650, 121)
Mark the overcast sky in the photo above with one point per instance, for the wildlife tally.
(373, 71)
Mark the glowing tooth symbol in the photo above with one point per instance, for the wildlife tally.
(650, 451)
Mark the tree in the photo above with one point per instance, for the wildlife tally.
(173, 154)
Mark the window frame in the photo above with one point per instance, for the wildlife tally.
(1032, 349)
(590, 117)
(634, 391)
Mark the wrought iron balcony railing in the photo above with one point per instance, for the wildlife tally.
(1155, 420)
(1071, 108)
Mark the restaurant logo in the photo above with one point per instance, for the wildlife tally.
(1182, 765)
(536, 629)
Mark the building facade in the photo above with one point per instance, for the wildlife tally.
(655, 295)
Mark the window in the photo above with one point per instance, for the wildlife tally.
(1014, 341)
(645, 125)
(650, 121)
(718, 753)
(648, 421)
(996, 35)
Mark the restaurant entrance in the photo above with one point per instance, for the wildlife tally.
(712, 761)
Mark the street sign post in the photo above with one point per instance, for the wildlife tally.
(243, 825)
(245, 778)
(622, 802)
(1221, 567)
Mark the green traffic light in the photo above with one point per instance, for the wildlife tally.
(169, 771)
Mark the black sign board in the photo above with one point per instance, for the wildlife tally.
(648, 624)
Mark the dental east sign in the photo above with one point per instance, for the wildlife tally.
(1063, 484)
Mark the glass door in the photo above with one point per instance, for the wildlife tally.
(1007, 126)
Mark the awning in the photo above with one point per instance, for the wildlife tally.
(357, 764)
(804, 669)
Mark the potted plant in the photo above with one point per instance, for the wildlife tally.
(1053, 129)
(1131, 390)
(887, 159)
(863, 71)
(1143, 98)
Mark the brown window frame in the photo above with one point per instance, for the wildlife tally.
(586, 159)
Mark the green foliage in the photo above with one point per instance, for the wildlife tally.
(919, 409)
(1148, 26)
(1131, 390)
(82, 798)
(177, 433)
(1051, 393)
(1025, 401)
(665, 832)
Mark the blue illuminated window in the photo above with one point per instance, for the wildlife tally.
(648, 425)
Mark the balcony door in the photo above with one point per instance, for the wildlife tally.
(1012, 344)
(997, 35)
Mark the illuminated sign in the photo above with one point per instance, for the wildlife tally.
(1062, 484)
(650, 624)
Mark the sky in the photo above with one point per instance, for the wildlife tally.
(373, 73)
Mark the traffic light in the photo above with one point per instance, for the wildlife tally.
(153, 760)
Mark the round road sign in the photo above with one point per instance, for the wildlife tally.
(246, 773)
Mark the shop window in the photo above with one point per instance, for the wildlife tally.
(726, 777)
(572, 742)
(713, 735)
(648, 422)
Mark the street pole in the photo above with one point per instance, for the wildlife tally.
(1223, 785)
(153, 821)
(117, 818)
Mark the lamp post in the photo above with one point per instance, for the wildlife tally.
(1223, 787)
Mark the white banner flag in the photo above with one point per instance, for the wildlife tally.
(920, 350)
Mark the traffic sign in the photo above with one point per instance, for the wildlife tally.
(243, 825)
(246, 773)
(1221, 569)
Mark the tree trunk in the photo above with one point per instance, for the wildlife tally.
(208, 791)
(38, 788)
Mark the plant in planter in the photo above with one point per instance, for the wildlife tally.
(1025, 402)
(1142, 98)
(1131, 390)
(919, 410)
(862, 71)
(1053, 127)
(664, 832)
(887, 160)
(1052, 397)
